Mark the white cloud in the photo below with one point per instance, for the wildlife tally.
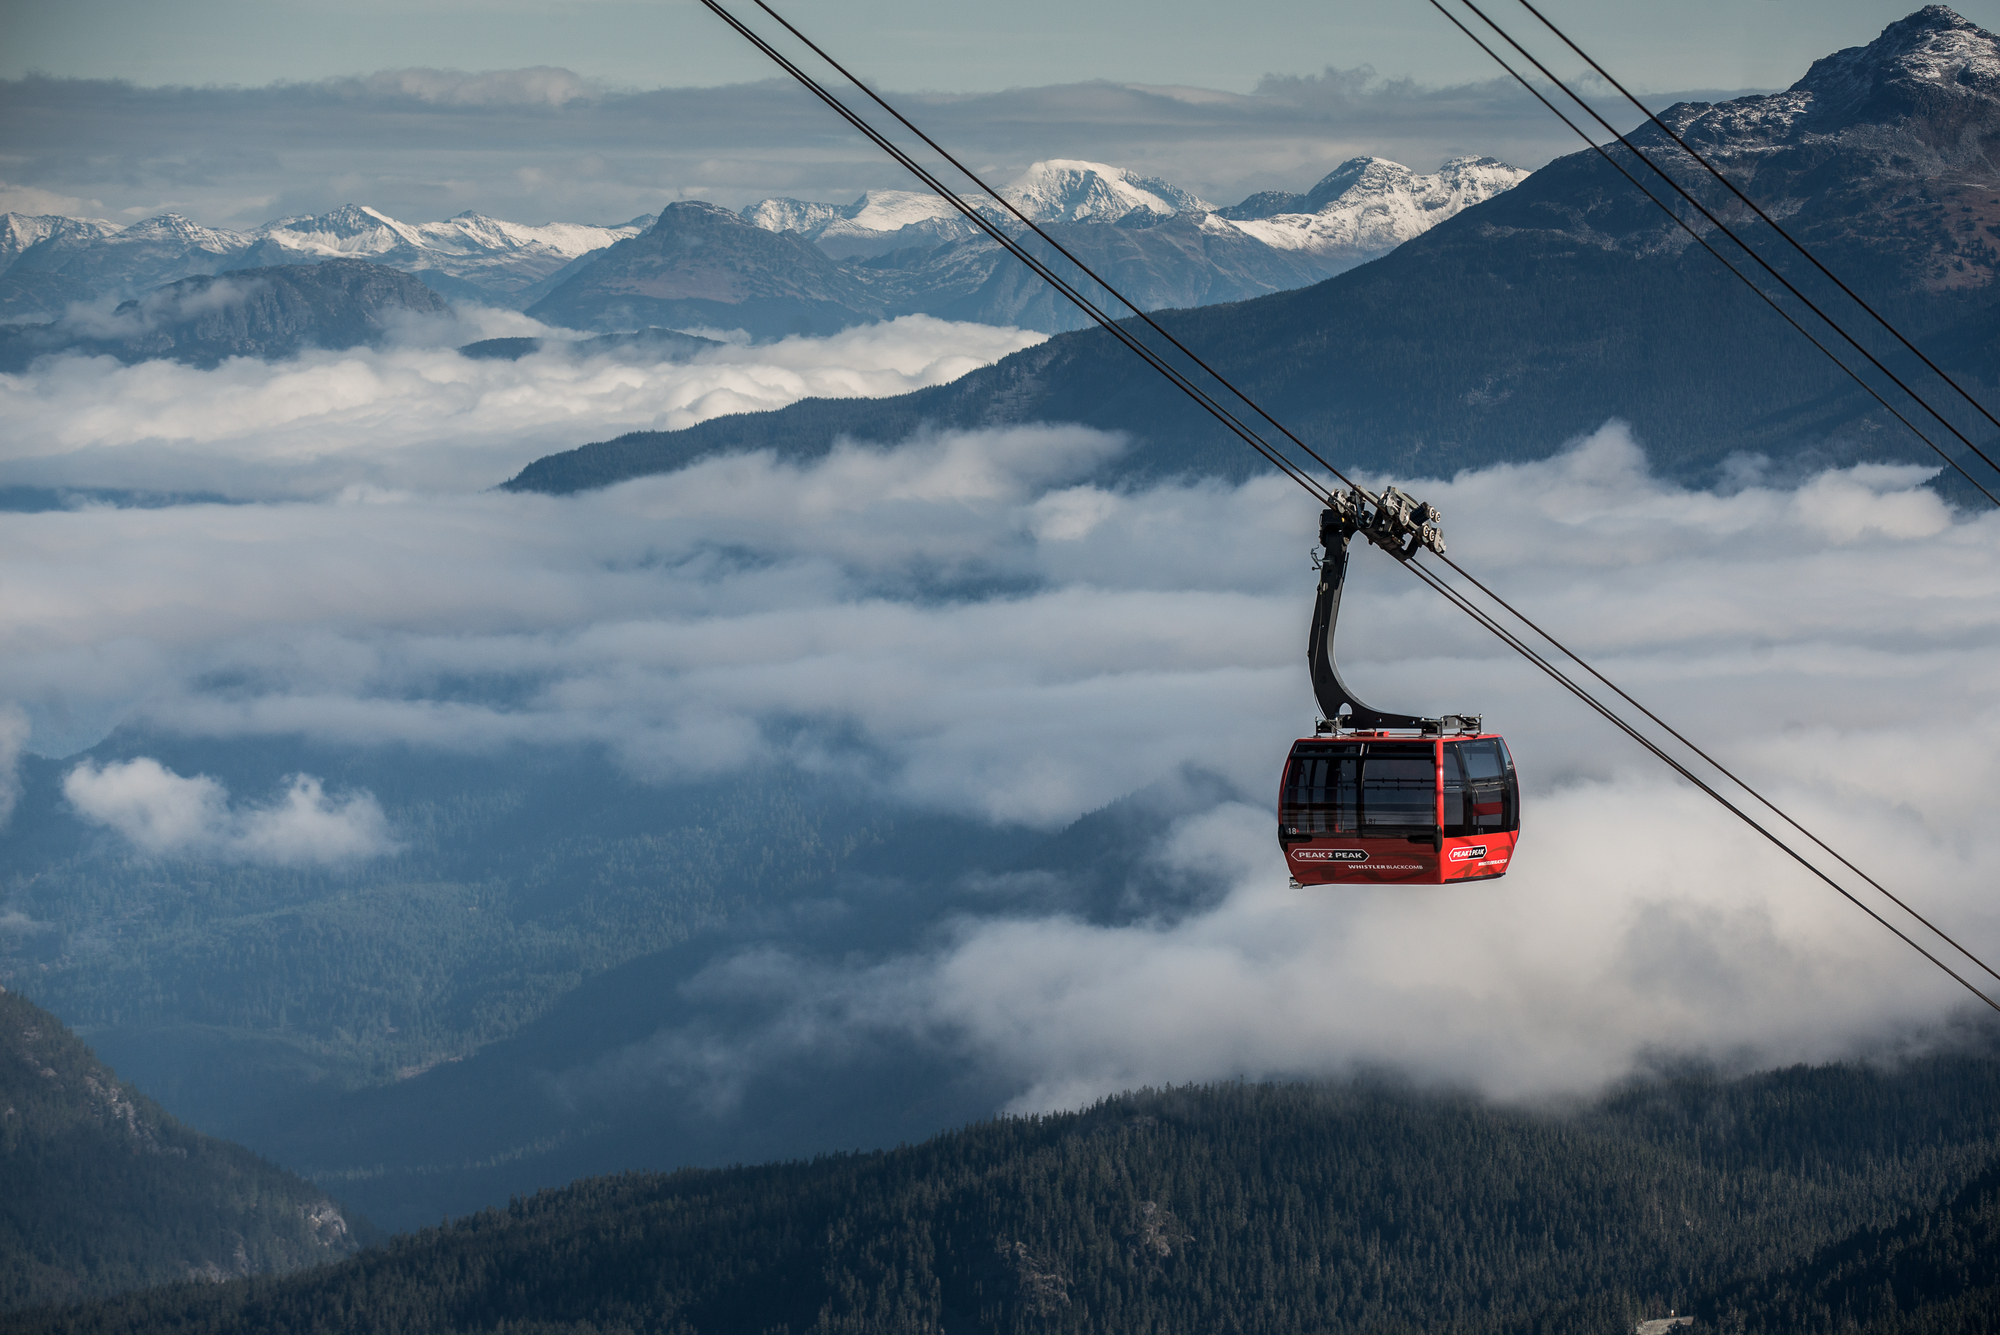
(959, 623)
(29, 199)
(536, 86)
(14, 732)
(1635, 917)
(164, 813)
(425, 417)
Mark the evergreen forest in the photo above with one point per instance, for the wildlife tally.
(102, 1191)
(1772, 1202)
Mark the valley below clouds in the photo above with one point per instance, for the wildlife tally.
(987, 628)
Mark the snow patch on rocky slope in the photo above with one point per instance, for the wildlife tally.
(1382, 204)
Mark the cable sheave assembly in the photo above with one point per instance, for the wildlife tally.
(1275, 455)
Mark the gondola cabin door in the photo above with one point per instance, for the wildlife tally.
(1384, 810)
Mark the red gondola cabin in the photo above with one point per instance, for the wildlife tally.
(1378, 809)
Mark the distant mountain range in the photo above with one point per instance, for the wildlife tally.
(1542, 311)
(46, 263)
(277, 311)
(796, 265)
(893, 253)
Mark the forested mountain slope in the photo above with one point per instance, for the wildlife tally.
(443, 1027)
(102, 1191)
(1540, 313)
(1934, 1272)
(1265, 1208)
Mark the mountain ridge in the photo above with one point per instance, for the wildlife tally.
(1538, 314)
(899, 252)
(50, 262)
(101, 1190)
(1342, 1206)
(271, 312)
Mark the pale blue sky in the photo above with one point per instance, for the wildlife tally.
(638, 120)
(907, 44)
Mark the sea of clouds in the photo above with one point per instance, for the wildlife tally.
(967, 623)
(418, 415)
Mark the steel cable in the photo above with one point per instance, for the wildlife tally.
(1722, 227)
(1089, 308)
(1271, 454)
(1562, 679)
(1586, 666)
(1752, 205)
(1703, 242)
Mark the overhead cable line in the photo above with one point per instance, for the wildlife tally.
(1753, 206)
(1720, 768)
(1724, 228)
(1032, 226)
(999, 235)
(1787, 316)
(1525, 620)
(1562, 679)
(1704, 243)
(1273, 455)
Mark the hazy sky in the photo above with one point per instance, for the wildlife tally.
(602, 110)
(950, 46)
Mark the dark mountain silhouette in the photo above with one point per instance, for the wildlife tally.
(274, 312)
(641, 345)
(102, 1191)
(1278, 1208)
(1545, 311)
(703, 266)
(1184, 259)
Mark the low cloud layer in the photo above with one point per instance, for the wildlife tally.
(420, 416)
(1635, 919)
(960, 624)
(14, 732)
(163, 813)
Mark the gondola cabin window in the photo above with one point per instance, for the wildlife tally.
(1480, 792)
(1378, 790)
(1399, 790)
(1323, 789)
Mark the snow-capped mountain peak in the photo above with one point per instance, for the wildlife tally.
(792, 215)
(174, 229)
(19, 231)
(1933, 52)
(876, 223)
(358, 230)
(876, 211)
(1366, 207)
(476, 231)
(1069, 190)
(351, 229)
(888, 210)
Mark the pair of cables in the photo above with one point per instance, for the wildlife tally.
(1783, 284)
(978, 218)
(1238, 423)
